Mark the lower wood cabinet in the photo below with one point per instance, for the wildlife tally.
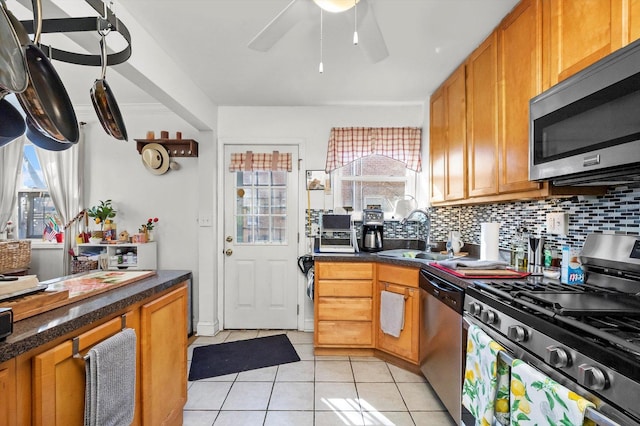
(8, 401)
(51, 383)
(344, 305)
(163, 358)
(347, 308)
(59, 376)
(401, 280)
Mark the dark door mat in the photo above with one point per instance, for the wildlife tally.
(234, 357)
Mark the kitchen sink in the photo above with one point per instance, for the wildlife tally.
(415, 254)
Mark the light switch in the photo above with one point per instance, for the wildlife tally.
(205, 219)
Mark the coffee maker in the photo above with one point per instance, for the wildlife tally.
(372, 229)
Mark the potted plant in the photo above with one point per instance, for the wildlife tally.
(102, 215)
(147, 228)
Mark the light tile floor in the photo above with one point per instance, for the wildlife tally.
(318, 390)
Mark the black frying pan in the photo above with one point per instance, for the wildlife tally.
(11, 123)
(45, 99)
(43, 141)
(104, 102)
(13, 65)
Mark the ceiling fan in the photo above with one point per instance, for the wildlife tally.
(370, 38)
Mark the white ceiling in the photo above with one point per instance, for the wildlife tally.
(207, 40)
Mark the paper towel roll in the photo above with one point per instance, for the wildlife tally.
(489, 237)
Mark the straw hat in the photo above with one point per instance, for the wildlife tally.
(155, 158)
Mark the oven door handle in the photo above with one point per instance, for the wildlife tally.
(589, 413)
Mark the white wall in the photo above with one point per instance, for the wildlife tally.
(312, 126)
(114, 170)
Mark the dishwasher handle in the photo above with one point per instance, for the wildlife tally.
(448, 293)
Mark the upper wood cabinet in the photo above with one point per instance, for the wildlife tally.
(581, 32)
(519, 76)
(482, 119)
(448, 139)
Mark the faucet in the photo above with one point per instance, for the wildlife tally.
(427, 222)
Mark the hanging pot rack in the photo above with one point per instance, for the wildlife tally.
(106, 21)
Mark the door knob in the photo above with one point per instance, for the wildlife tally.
(229, 238)
(228, 252)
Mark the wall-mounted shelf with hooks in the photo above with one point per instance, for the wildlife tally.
(175, 147)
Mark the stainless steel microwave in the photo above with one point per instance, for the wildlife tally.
(586, 129)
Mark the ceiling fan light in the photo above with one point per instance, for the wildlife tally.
(335, 6)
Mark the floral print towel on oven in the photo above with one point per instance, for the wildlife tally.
(538, 400)
(485, 391)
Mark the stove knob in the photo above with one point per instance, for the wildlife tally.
(475, 308)
(517, 333)
(558, 357)
(488, 317)
(592, 377)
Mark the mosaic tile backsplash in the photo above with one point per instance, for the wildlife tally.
(616, 212)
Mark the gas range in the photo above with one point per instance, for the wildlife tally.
(585, 336)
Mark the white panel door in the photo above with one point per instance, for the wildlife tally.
(260, 223)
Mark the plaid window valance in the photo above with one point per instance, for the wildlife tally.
(347, 144)
(250, 161)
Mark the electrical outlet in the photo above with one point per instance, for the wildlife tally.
(558, 223)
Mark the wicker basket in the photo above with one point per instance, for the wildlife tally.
(14, 255)
(83, 265)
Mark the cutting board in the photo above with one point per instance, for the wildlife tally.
(34, 304)
(481, 273)
(492, 272)
(98, 282)
(65, 292)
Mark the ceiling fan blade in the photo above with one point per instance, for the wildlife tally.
(295, 12)
(370, 37)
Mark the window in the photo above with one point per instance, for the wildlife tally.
(34, 203)
(261, 207)
(372, 180)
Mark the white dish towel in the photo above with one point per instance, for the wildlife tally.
(391, 313)
(111, 381)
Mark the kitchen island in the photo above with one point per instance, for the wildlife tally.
(41, 364)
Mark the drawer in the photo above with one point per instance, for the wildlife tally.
(344, 288)
(344, 270)
(344, 333)
(398, 274)
(338, 308)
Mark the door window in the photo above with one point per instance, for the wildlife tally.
(261, 207)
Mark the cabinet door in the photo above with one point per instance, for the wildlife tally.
(437, 145)
(482, 118)
(59, 377)
(634, 21)
(456, 166)
(8, 401)
(581, 32)
(163, 358)
(448, 139)
(519, 73)
(407, 345)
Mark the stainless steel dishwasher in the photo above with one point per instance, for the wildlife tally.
(441, 337)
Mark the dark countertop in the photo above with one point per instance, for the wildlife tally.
(372, 257)
(40, 329)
